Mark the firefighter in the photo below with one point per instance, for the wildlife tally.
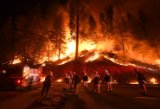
(67, 80)
(30, 82)
(96, 82)
(107, 80)
(141, 81)
(75, 80)
(85, 79)
(47, 84)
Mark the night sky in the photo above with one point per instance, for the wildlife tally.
(22, 7)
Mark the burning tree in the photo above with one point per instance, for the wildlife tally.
(57, 36)
(106, 21)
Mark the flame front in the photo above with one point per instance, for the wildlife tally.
(98, 35)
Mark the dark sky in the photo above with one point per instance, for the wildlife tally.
(14, 7)
(9, 7)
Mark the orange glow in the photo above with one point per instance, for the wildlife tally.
(100, 43)
(64, 62)
(153, 81)
(93, 57)
(43, 64)
(87, 45)
(133, 82)
(54, 58)
(70, 47)
(42, 78)
(59, 80)
(89, 80)
(158, 61)
(16, 61)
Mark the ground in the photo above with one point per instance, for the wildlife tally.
(122, 97)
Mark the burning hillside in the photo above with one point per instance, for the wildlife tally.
(91, 62)
(110, 28)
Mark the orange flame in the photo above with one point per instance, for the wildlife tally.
(93, 57)
(133, 82)
(153, 81)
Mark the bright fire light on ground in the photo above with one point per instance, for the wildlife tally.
(153, 81)
(59, 80)
(133, 82)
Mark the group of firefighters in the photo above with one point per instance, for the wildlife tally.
(72, 80)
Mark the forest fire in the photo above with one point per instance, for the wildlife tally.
(110, 31)
(99, 31)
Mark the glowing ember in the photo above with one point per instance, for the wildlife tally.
(153, 81)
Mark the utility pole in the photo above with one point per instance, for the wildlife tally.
(77, 30)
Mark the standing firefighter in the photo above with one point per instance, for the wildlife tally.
(47, 84)
(67, 80)
(96, 83)
(142, 81)
(76, 80)
(108, 81)
(85, 79)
